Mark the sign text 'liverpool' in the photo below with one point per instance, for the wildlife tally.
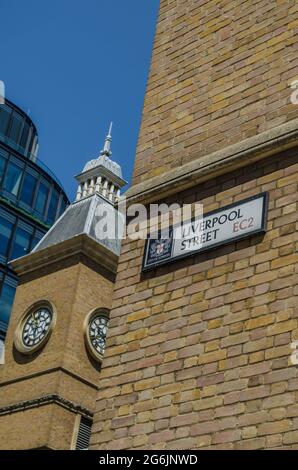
(231, 223)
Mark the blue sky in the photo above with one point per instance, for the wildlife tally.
(77, 65)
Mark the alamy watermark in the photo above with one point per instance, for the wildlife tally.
(138, 222)
(294, 94)
(294, 355)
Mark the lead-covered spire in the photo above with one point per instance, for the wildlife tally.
(107, 146)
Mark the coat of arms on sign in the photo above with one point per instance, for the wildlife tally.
(159, 248)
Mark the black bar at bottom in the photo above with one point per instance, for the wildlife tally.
(145, 459)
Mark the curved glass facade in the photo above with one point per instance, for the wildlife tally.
(17, 130)
(31, 198)
(28, 187)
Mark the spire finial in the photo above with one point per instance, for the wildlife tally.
(107, 147)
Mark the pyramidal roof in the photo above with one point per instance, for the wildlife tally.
(80, 218)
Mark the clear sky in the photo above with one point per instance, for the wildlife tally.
(77, 65)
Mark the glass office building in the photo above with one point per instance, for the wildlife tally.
(31, 199)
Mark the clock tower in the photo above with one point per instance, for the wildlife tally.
(56, 336)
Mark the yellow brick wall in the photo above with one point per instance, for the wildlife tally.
(198, 351)
(221, 72)
(33, 429)
(62, 367)
(75, 291)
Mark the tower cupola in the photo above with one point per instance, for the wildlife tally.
(101, 175)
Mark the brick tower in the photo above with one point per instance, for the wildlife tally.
(198, 352)
(56, 335)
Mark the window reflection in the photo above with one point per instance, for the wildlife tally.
(62, 207)
(28, 189)
(13, 179)
(24, 136)
(42, 197)
(16, 126)
(7, 294)
(2, 167)
(6, 228)
(21, 244)
(5, 113)
(53, 206)
(33, 148)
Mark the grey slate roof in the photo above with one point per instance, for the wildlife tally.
(81, 217)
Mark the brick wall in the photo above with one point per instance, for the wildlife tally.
(198, 351)
(220, 73)
(15, 433)
(62, 367)
(75, 291)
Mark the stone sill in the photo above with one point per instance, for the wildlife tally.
(222, 161)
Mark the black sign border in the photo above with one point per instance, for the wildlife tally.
(263, 229)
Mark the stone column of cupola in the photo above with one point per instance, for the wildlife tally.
(105, 188)
(91, 186)
(98, 184)
(79, 192)
(117, 196)
(111, 192)
(85, 189)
